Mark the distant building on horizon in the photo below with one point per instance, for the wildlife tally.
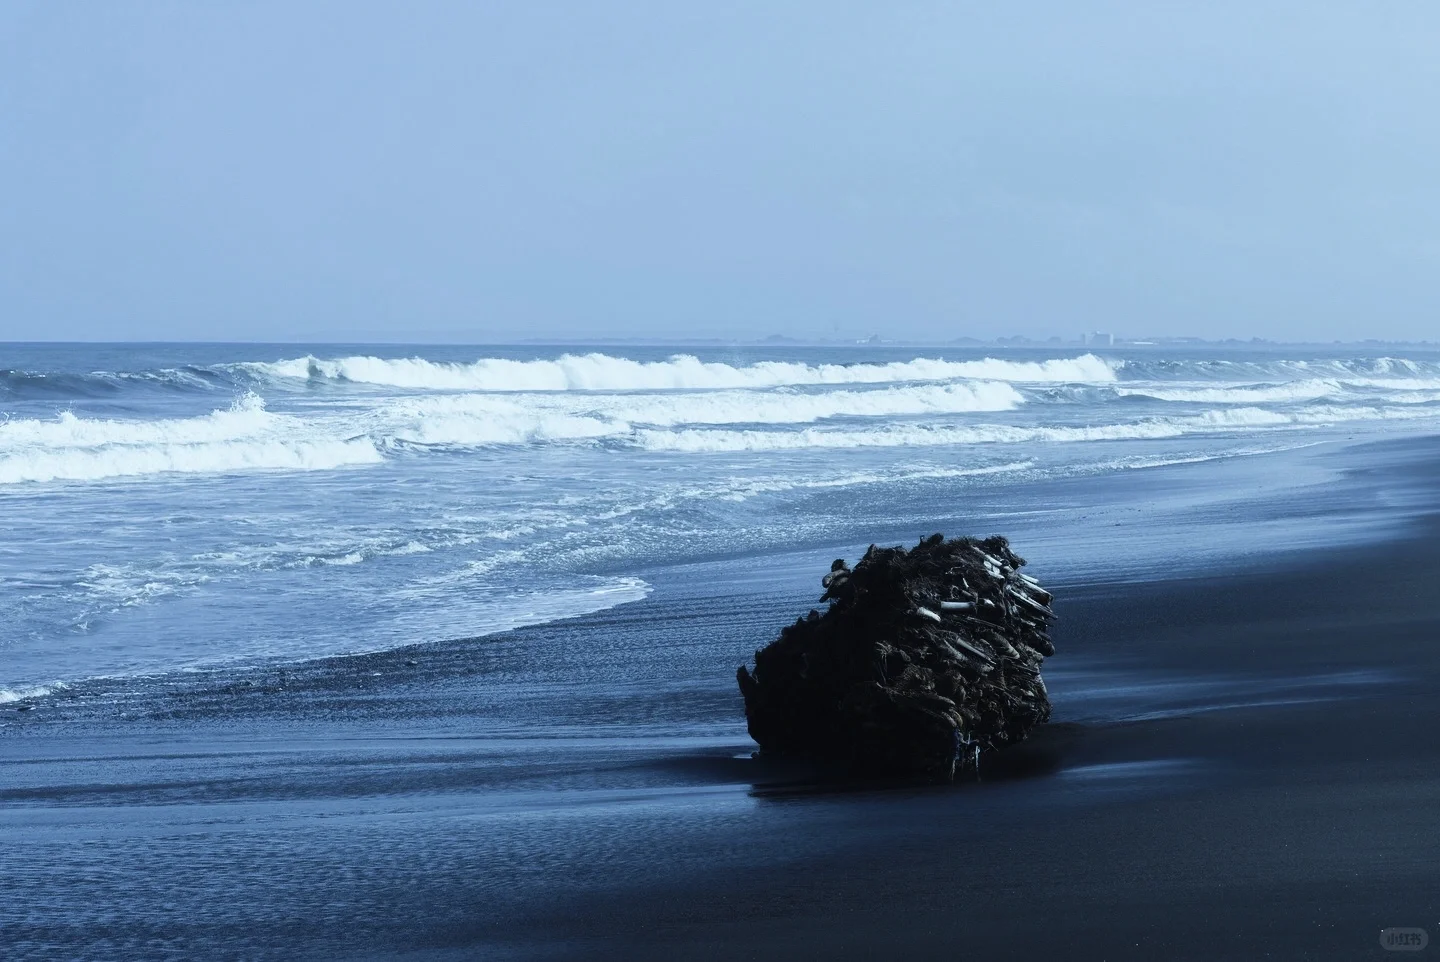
(1098, 339)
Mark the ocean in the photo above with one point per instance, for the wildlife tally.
(173, 507)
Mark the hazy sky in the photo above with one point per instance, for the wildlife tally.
(481, 170)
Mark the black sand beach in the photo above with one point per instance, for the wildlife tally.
(1242, 765)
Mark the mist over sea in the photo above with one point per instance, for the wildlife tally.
(169, 507)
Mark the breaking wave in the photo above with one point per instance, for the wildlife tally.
(678, 404)
(1307, 390)
(244, 437)
(1383, 369)
(211, 457)
(603, 372)
(1422, 390)
(11, 695)
(478, 419)
(698, 440)
(246, 418)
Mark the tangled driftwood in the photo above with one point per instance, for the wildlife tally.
(924, 659)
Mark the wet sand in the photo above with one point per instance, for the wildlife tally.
(1291, 814)
(1242, 765)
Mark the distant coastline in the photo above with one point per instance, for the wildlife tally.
(776, 340)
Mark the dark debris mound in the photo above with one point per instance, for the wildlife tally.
(924, 659)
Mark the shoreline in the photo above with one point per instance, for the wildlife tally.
(1251, 743)
(1029, 534)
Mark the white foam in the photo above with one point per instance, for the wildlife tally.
(1374, 370)
(244, 437)
(487, 423)
(742, 489)
(11, 695)
(1322, 414)
(1246, 417)
(246, 418)
(436, 615)
(221, 457)
(1400, 383)
(603, 372)
(328, 431)
(698, 440)
(1305, 390)
(117, 586)
(695, 440)
(477, 419)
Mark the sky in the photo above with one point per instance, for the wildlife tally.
(479, 171)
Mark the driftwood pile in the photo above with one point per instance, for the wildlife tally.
(924, 659)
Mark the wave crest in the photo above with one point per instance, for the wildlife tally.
(478, 419)
(603, 372)
(694, 440)
(244, 437)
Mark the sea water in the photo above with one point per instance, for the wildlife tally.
(164, 507)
